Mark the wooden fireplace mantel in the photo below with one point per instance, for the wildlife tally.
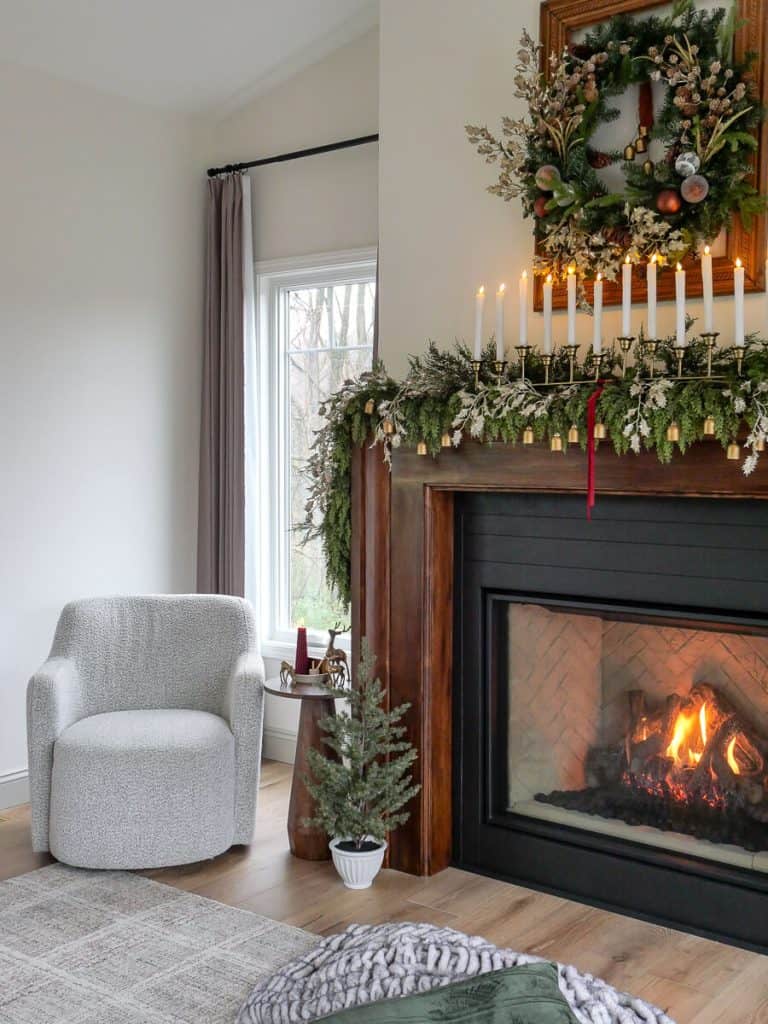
(403, 572)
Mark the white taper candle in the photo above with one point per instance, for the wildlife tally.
(523, 333)
(738, 304)
(479, 304)
(652, 266)
(680, 311)
(626, 298)
(500, 294)
(548, 315)
(571, 279)
(597, 305)
(706, 282)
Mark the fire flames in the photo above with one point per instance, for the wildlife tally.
(694, 749)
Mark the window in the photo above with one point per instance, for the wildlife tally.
(315, 331)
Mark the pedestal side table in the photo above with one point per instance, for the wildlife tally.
(316, 704)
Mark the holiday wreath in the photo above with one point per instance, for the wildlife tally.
(670, 206)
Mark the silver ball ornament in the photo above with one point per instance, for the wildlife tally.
(695, 189)
(687, 164)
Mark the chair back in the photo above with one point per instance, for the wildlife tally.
(155, 651)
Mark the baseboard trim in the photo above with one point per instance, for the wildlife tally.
(14, 788)
(280, 745)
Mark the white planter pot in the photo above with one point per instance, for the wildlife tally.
(357, 870)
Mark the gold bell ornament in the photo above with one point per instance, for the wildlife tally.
(573, 435)
(445, 440)
(734, 451)
(709, 426)
(648, 167)
(421, 448)
(370, 405)
(388, 427)
(528, 435)
(673, 432)
(641, 142)
(600, 433)
(556, 443)
(759, 444)
(629, 152)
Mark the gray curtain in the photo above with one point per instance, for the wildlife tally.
(221, 522)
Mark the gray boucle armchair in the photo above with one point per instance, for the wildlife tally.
(144, 731)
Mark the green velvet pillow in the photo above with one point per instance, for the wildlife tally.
(517, 995)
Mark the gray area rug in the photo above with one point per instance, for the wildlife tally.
(107, 947)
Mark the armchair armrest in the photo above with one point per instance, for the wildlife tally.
(244, 710)
(54, 701)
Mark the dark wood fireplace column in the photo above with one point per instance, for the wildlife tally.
(403, 575)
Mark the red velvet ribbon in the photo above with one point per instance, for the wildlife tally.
(645, 105)
(591, 406)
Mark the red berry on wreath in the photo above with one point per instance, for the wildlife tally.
(668, 201)
(540, 206)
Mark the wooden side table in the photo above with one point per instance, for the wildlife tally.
(316, 704)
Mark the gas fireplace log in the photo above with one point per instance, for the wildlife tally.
(645, 751)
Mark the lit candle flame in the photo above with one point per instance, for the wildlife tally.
(481, 290)
(503, 287)
(654, 258)
(571, 269)
(626, 258)
(599, 277)
(706, 250)
(679, 266)
(738, 261)
(549, 279)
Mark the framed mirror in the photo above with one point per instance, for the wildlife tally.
(561, 23)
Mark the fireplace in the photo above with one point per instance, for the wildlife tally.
(656, 729)
(611, 703)
(589, 699)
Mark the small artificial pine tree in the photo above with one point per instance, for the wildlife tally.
(359, 794)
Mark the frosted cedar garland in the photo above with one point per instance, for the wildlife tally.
(437, 405)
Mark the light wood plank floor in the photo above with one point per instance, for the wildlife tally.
(696, 981)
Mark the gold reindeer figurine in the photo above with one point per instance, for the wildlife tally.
(335, 659)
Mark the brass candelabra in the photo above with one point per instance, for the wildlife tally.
(594, 363)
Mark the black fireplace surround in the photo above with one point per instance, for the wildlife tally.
(690, 562)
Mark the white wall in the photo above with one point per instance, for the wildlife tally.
(446, 63)
(101, 218)
(320, 204)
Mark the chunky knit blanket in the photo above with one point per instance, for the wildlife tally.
(371, 962)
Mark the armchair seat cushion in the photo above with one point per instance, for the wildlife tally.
(145, 787)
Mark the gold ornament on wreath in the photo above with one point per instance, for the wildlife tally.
(703, 137)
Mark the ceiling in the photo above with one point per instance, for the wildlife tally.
(186, 55)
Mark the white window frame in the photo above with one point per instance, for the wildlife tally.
(274, 278)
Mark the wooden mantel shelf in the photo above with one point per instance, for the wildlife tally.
(402, 578)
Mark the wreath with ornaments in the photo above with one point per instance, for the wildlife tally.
(686, 169)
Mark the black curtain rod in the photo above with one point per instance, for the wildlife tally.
(299, 154)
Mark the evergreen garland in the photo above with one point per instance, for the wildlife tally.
(438, 399)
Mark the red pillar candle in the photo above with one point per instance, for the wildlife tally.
(301, 661)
